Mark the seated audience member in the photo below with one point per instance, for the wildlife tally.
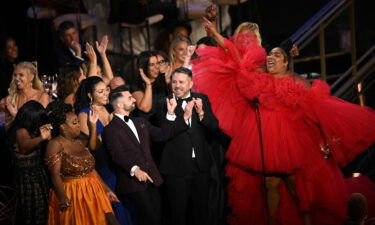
(116, 82)
(28, 131)
(357, 209)
(172, 31)
(178, 51)
(25, 86)
(70, 50)
(68, 80)
(8, 61)
(78, 196)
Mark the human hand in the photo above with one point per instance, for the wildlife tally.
(211, 12)
(94, 115)
(198, 105)
(76, 48)
(90, 52)
(112, 197)
(294, 51)
(144, 77)
(209, 26)
(191, 50)
(45, 131)
(64, 203)
(168, 74)
(188, 110)
(142, 176)
(12, 109)
(171, 105)
(102, 47)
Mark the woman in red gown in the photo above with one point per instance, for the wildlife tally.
(306, 134)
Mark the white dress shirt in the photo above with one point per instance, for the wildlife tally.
(132, 127)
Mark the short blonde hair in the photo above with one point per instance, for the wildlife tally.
(31, 69)
(253, 27)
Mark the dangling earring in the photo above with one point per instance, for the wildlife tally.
(90, 101)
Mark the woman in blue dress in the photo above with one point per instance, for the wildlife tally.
(93, 93)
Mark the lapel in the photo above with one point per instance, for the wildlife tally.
(127, 129)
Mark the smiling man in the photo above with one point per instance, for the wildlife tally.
(185, 160)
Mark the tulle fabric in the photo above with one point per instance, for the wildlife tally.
(88, 203)
(296, 120)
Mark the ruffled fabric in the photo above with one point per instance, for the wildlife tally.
(296, 120)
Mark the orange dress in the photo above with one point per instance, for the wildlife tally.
(88, 200)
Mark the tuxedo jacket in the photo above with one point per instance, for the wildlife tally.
(125, 151)
(176, 158)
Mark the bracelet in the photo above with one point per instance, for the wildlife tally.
(148, 84)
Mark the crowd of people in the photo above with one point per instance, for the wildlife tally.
(106, 151)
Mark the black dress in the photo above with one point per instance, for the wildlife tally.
(32, 187)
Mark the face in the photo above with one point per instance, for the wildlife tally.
(116, 82)
(101, 92)
(180, 31)
(180, 51)
(163, 64)
(181, 85)
(11, 50)
(127, 102)
(276, 62)
(69, 36)
(22, 78)
(153, 67)
(71, 125)
(81, 76)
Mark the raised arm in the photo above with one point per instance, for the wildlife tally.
(93, 68)
(92, 119)
(144, 99)
(107, 69)
(26, 143)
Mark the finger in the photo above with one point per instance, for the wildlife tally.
(149, 178)
(205, 19)
(97, 44)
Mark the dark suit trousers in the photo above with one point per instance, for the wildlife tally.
(183, 190)
(146, 204)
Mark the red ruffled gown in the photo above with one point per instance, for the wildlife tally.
(296, 121)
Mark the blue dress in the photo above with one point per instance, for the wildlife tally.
(102, 166)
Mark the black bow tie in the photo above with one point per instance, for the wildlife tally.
(126, 118)
(188, 99)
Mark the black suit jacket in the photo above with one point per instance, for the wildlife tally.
(65, 56)
(126, 152)
(176, 157)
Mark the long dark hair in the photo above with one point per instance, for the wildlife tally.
(87, 86)
(143, 60)
(30, 116)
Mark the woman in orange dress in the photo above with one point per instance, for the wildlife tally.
(79, 196)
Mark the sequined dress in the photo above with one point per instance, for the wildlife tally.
(88, 200)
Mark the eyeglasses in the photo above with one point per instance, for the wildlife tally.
(161, 62)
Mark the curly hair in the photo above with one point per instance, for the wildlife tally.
(31, 69)
(57, 111)
(68, 80)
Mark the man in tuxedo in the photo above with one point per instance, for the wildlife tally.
(185, 159)
(127, 141)
(70, 50)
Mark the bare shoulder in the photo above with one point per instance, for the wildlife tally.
(299, 79)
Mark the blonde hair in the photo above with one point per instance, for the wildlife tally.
(31, 69)
(173, 45)
(253, 27)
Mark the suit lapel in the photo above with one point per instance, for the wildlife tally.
(127, 129)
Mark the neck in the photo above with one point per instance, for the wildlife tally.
(67, 137)
(97, 104)
(26, 90)
(121, 112)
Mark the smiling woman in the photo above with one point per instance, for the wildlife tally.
(25, 86)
